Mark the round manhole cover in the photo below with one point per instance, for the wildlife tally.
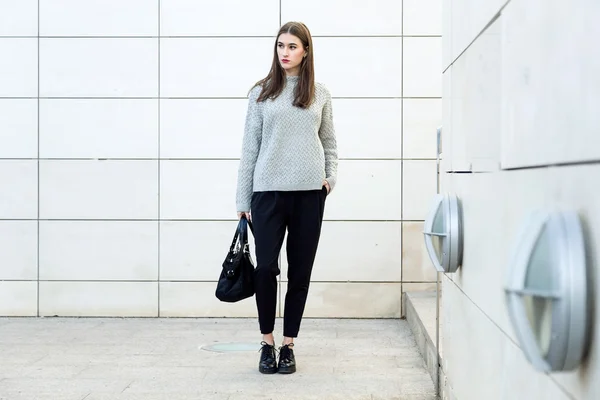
(230, 347)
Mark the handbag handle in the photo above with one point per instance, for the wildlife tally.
(241, 229)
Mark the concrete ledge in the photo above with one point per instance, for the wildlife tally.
(421, 317)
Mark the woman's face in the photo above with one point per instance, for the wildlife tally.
(290, 52)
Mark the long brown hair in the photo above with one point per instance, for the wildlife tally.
(273, 84)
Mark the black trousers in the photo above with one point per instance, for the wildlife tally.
(301, 213)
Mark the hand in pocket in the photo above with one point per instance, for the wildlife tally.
(326, 184)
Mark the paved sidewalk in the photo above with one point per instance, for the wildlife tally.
(148, 359)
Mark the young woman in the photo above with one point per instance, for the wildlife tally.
(287, 168)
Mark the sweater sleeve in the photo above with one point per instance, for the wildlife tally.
(327, 135)
(250, 150)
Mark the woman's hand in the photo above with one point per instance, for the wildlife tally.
(247, 214)
(326, 184)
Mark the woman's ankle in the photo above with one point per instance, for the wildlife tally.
(269, 339)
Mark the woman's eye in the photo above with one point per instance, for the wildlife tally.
(293, 47)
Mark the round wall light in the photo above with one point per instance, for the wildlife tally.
(443, 233)
(546, 291)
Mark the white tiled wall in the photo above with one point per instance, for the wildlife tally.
(18, 72)
(562, 80)
(420, 118)
(189, 250)
(222, 18)
(422, 17)
(469, 18)
(517, 138)
(98, 189)
(18, 298)
(374, 68)
(374, 187)
(422, 66)
(98, 18)
(499, 371)
(201, 128)
(347, 299)
(382, 127)
(198, 189)
(120, 134)
(331, 18)
(18, 128)
(479, 284)
(98, 67)
(98, 299)
(417, 189)
(18, 185)
(98, 128)
(475, 84)
(98, 250)
(211, 67)
(197, 299)
(357, 252)
(19, 18)
(18, 250)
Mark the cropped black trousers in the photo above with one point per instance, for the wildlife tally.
(301, 214)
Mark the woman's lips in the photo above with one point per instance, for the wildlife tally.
(285, 61)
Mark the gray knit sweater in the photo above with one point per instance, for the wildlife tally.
(285, 147)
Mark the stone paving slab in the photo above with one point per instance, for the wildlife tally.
(163, 358)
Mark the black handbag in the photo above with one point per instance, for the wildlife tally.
(236, 281)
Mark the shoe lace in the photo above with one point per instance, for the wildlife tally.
(285, 351)
(267, 351)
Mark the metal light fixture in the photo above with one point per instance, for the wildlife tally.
(443, 233)
(546, 291)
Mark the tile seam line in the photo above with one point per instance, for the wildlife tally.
(183, 159)
(204, 98)
(401, 155)
(485, 28)
(187, 220)
(566, 164)
(91, 37)
(484, 313)
(38, 159)
(352, 282)
(158, 224)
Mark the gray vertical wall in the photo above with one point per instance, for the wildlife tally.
(521, 85)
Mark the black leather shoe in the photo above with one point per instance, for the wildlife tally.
(268, 359)
(287, 361)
